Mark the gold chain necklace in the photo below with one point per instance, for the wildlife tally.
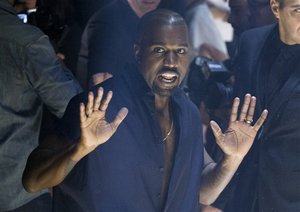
(169, 133)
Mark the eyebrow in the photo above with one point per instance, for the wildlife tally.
(162, 44)
(295, 5)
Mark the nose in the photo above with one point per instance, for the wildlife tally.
(171, 59)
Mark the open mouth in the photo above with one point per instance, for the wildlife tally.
(168, 77)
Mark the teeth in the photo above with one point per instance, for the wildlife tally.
(168, 75)
(167, 79)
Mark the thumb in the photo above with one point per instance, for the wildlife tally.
(120, 117)
(216, 130)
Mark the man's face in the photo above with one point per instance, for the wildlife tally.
(289, 21)
(239, 15)
(163, 57)
(145, 6)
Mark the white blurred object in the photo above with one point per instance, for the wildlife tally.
(225, 29)
(220, 4)
(203, 29)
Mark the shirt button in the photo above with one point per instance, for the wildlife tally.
(158, 195)
(161, 169)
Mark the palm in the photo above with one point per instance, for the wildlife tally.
(239, 137)
(95, 130)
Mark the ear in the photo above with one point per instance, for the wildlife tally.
(275, 7)
(137, 52)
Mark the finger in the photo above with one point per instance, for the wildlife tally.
(89, 106)
(106, 101)
(216, 130)
(245, 107)
(82, 113)
(261, 120)
(251, 109)
(98, 99)
(234, 110)
(119, 118)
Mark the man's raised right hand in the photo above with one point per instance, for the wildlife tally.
(95, 130)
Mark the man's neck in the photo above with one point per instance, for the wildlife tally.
(284, 37)
(162, 104)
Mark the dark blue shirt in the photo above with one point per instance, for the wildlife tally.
(126, 173)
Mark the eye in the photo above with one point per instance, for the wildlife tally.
(297, 10)
(158, 50)
(181, 51)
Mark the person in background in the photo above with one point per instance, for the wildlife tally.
(64, 22)
(205, 38)
(261, 13)
(107, 42)
(268, 65)
(31, 78)
(245, 15)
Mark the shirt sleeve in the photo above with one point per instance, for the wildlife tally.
(53, 82)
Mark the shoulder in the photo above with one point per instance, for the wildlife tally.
(252, 41)
(15, 31)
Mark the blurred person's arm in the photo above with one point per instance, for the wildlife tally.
(51, 162)
(53, 82)
(99, 78)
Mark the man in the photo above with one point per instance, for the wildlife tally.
(261, 13)
(268, 66)
(154, 160)
(247, 14)
(30, 76)
(107, 42)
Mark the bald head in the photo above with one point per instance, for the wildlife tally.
(156, 19)
(161, 50)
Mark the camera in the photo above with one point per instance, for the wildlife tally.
(210, 82)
